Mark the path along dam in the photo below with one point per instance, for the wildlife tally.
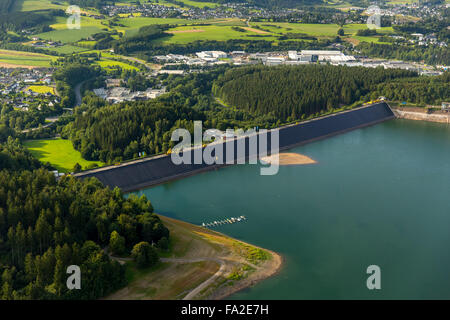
(138, 174)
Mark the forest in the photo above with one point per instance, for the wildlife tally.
(291, 93)
(48, 224)
(418, 90)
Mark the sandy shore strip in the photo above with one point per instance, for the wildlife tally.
(288, 159)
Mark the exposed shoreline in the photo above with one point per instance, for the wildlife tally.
(202, 264)
(277, 263)
(419, 114)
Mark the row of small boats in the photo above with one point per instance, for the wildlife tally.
(224, 221)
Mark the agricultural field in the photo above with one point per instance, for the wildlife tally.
(199, 4)
(10, 58)
(31, 5)
(66, 49)
(89, 26)
(41, 89)
(186, 34)
(58, 152)
(319, 30)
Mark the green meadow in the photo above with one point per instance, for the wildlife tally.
(108, 64)
(58, 152)
(60, 32)
(199, 4)
(31, 5)
(186, 34)
(21, 58)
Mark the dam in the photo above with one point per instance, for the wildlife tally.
(138, 174)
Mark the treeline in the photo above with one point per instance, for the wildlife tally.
(427, 26)
(418, 90)
(6, 6)
(98, 4)
(430, 55)
(47, 225)
(14, 157)
(36, 21)
(271, 4)
(142, 41)
(296, 92)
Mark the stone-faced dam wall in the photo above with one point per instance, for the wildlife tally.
(147, 172)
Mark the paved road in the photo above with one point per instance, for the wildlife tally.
(78, 96)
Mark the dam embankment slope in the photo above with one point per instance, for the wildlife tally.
(143, 173)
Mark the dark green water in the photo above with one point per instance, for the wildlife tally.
(378, 195)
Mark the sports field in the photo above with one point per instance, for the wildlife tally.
(58, 152)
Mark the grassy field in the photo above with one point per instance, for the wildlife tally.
(244, 265)
(41, 89)
(58, 152)
(31, 5)
(186, 34)
(68, 49)
(89, 26)
(24, 59)
(318, 30)
(199, 4)
(107, 64)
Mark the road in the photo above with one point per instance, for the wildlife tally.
(194, 292)
(207, 282)
(78, 96)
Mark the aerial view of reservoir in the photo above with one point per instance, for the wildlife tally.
(375, 196)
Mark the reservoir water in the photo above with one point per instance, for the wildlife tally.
(377, 196)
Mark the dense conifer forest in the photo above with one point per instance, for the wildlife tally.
(291, 93)
(48, 224)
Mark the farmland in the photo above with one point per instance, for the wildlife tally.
(24, 59)
(89, 26)
(186, 34)
(58, 152)
(31, 5)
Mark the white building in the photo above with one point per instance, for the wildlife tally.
(293, 55)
